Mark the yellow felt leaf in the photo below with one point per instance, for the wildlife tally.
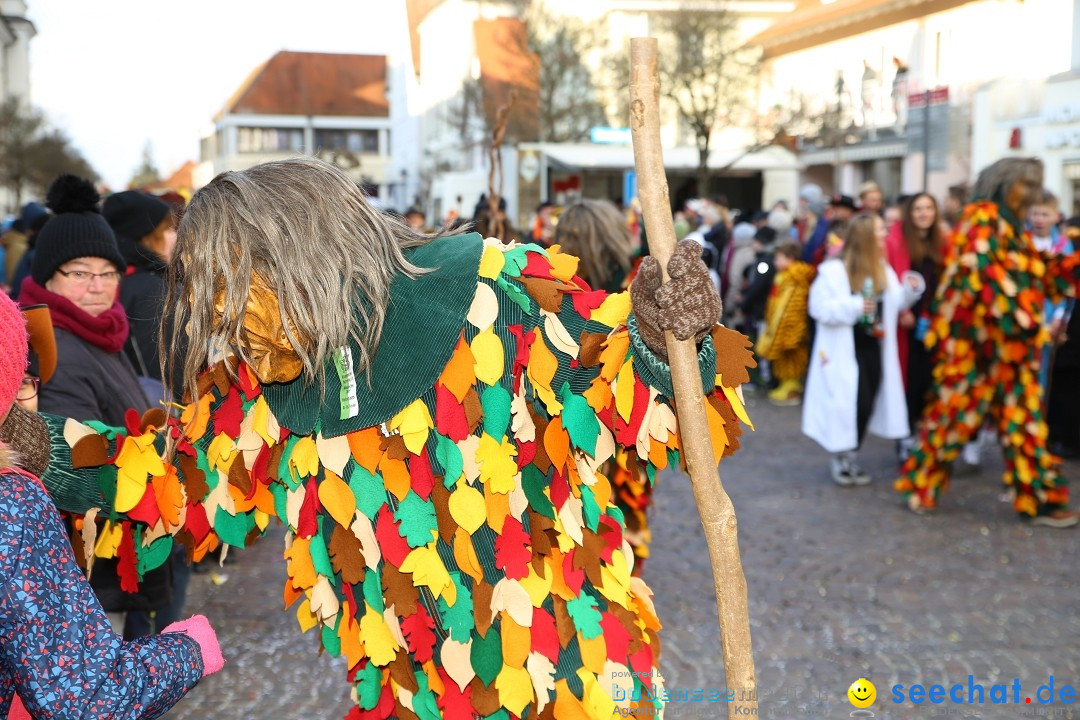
(427, 569)
(262, 520)
(598, 395)
(593, 653)
(467, 507)
(613, 354)
(597, 699)
(305, 457)
(221, 452)
(413, 423)
(264, 423)
(487, 350)
(559, 336)
(379, 642)
(568, 707)
(563, 267)
(305, 617)
(338, 499)
(497, 464)
(515, 689)
(613, 311)
(624, 390)
(485, 307)
(491, 262)
(465, 555)
(108, 540)
(138, 462)
(735, 399)
(541, 370)
(537, 586)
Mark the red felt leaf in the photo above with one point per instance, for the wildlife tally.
(450, 417)
(545, 637)
(455, 705)
(574, 577)
(612, 535)
(248, 386)
(626, 433)
(146, 511)
(419, 632)
(133, 422)
(229, 414)
(526, 454)
(521, 354)
(125, 561)
(586, 302)
(382, 711)
(196, 522)
(388, 533)
(351, 597)
(536, 265)
(260, 469)
(420, 471)
(641, 662)
(511, 551)
(307, 524)
(560, 489)
(616, 638)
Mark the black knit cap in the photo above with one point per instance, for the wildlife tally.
(76, 230)
(133, 215)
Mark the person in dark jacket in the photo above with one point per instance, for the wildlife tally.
(146, 232)
(76, 273)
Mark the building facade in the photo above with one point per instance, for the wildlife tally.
(16, 32)
(333, 106)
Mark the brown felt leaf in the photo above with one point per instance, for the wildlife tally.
(90, 451)
(548, 713)
(482, 607)
(185, 539)
(221, 379)
(591, 343)
(732, 426)
(154, 417)
(403, 713)
(399, 590)
(273, 463)
(734, 355)
(588, 555)
(563, 622)
(194, 479)
(539, 527)
(346, 555)
(440, 495)
(541, 461)
(485, 700)
(474, 411)
(394, 447)
(548, 294)
(239, 477)
(627, 619)
(402, 672)
(654, 642)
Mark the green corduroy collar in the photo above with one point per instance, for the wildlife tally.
(421, 330)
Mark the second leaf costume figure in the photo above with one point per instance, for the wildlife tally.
(449, 531)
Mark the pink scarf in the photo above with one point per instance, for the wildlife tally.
(108, 331)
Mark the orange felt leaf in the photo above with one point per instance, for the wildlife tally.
(556, 443)
(242, 503)
(716, 432)
(602, 491)
(366, 448)
(349, 634)
(395, 474)
(465, 555)
(558, 582)
(290, 594)
(264, 500)
(658, 453)
(300, 567)
(207, 545)
(567, 706)
(435, 681)
(195, 417)
(516, 641)
(458, 375)
(169, 495)
(613, 355)
(498, 507)
(593, 653)
(598, 395)
(337, 498)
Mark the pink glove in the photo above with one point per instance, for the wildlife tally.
(198, 629)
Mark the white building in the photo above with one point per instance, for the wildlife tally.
(1038, 116)
(330, 105)
(16, 31)
(863, 61)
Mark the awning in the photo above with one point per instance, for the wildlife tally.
(587, 156)
(856, 153)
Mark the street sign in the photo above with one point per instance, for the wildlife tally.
(629, 185)
(928, 113)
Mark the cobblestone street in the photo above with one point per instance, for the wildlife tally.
(843, 583)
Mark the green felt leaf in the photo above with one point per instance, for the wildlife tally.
(417, 518)
(424, 703)
(672, 458)
(458, 620)
(106, 477)
(579, 420)
(589, 508)
(320, 557)
(486, 655)
(586, 617)
(515, 294)
(448, 455)
(515, 260)
(650, 472)
(369, 490)
(330, 640)
(373, 590)
(281, 499)
(233, 529)
(496, 404)
(154, 556)
(368, 685)
(534, 482)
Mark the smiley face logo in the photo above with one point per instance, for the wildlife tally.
(862, 693)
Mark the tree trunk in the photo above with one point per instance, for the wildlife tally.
(703, 174)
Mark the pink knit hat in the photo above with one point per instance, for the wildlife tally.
(12, 351)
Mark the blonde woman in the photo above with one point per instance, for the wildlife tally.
(854, 381)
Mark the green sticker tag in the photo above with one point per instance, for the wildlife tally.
(343, 363)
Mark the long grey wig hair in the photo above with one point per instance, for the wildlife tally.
(304, 226)
(995, 179)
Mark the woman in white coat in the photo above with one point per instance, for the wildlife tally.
(854, 382)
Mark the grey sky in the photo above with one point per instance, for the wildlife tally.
(116, 73)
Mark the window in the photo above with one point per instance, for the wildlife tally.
(354, 141)
(256, 140)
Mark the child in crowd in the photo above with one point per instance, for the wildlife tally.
(58, 655)
(854, 381)
(785, 343)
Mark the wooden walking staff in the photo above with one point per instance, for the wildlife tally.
(714, 505)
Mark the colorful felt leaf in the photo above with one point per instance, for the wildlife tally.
(448, 456)
(541, 371)
(427, 569)
(337, 498)
(486, 654)
(613, 311)
(497, 465)
(417, 518)
(579, 420)
(496, 403)
(487, 349)
(484, 309)
(467, 508)
(379, 641)
(457, 661)
(586, 617)
(413, 423)
(515, 688)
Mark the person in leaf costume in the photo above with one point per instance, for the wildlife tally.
(987, 335)
(429, 416)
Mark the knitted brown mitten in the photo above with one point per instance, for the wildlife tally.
(28, 435)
